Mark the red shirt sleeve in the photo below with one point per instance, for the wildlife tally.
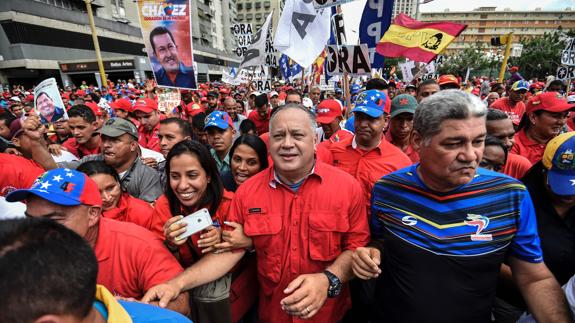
(17, 173)
(157, 263)
(160, 215)
(139, 212)
(71, 146)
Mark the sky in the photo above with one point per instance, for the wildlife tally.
(352, 11)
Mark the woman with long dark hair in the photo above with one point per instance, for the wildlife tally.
(117, 204)
(248, 156)
(194, 183)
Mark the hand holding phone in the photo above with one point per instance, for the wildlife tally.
(195, 223)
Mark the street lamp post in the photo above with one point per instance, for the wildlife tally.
(96, 44)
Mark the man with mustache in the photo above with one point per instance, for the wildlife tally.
(173, 72)
(447, 227)
(120, 150)
(367, 156)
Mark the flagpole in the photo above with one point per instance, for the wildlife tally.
(345, 81)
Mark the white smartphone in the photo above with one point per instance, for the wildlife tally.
(196, 221)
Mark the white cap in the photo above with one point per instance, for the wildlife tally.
(571, 99)
(15, 98)
(307, 102)
(272, 93)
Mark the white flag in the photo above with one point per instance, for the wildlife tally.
(256, 53)
(302, 31)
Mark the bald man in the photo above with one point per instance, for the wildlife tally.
(230, 106)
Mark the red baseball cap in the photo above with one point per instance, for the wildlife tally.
(145, 105)
(193, 109)
(448, 79)
(94, 107)
(548, 101)
(328, 110)
(81, 92)
(224, 91)
(122, 104)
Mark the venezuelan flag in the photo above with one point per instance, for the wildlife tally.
(416, 40)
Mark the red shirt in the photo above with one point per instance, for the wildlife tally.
(300, 233)
(81, 150)
(17, 172)
(368, 166)
(189, 252)
(131, 259)
(531, 150)
(322, 149)
(409, 151)
(149, 139)
(516, 166)
(133, 210)
(515, 112)
(262, 125)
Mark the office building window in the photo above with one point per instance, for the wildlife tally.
(118, 8)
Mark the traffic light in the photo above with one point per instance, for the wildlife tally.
(499, 40)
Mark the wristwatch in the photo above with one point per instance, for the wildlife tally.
(335, 284)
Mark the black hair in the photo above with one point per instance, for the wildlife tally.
(247, 125)
(376, 84)
(82, 111)
(257, 144)
(496, 87)
(45, 268)
(95, 167)
(494, 141)
(496, 114)
(198, 121)
(424, 83)
(556, 83)
(183, 125)
(294, 92)
(525, 123)
(160, 31)
(215, 189)
(8, 118)
(95, 97)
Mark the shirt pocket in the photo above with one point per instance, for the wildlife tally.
(265, 231)
(326, 234)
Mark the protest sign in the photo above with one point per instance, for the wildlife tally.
(256, 53)
(568, 54)
(169, 99)
(243, 34)
(566, 73)
(48, 103)
(166, 29)
(350, 59)
(338, 29)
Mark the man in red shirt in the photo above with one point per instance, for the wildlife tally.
(367, 156)
(131, 259)
(83, 125)
(500, 126)
(17, 172)
(513, 104)
(304, 219)
(146, 111)
(399, 133)
(329, 116)
(261, 115)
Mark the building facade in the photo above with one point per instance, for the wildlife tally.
(52, 38)
(255, 12)
(408, 7)
(486, 22)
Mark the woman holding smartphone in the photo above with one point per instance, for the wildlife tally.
(194, 183)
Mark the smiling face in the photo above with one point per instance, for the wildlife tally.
(450, 158)
(244, 163)
(45, 105)
(187, 179)
(166, 52)
(548, 124)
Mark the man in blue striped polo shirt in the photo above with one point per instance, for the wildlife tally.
(445, 226)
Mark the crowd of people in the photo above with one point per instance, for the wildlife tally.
(428, 201)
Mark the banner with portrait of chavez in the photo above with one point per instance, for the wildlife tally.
(48, 103)
(167, 32)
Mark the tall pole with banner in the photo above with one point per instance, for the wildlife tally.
(345, 81)
(96, 44)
